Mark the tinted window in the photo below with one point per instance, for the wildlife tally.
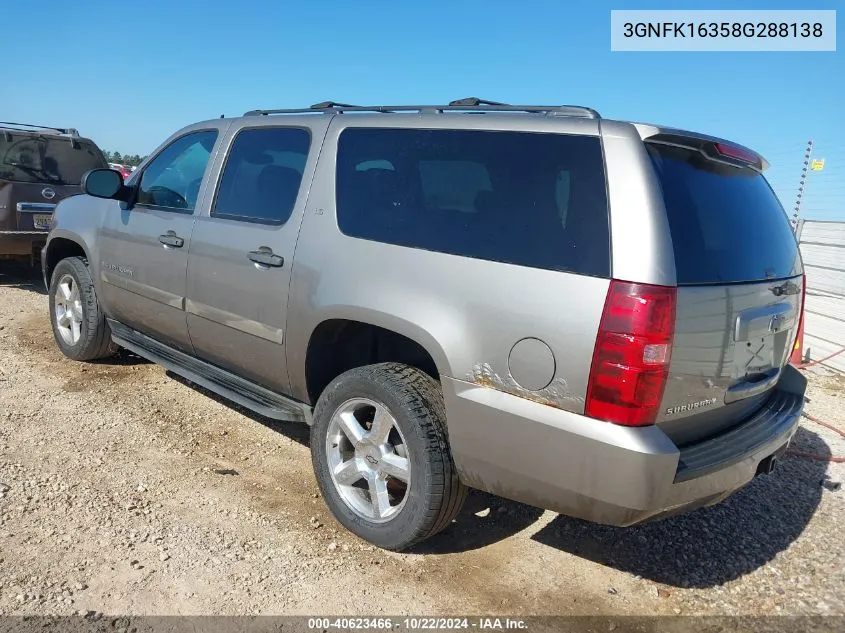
(530, 199)
(46, 159)
(262, 175)
(172, 179)
(726, 222)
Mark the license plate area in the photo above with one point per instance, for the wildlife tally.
(755, 356)
(41, 220)
(761, 336)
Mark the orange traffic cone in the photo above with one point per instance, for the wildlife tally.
(797, 356)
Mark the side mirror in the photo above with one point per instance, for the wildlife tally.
(103, 183)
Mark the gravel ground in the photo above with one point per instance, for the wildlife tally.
(126, 490)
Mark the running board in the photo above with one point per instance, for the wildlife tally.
(226, 384)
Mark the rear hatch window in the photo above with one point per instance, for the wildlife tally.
(726, 223)
(44, 159)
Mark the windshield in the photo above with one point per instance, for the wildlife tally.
(726, 222)
(44, 159)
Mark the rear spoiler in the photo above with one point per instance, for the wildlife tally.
(712, 147)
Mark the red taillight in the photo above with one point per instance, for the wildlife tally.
(732, 151)
(631, 358)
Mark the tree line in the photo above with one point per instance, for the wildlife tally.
(133, 160)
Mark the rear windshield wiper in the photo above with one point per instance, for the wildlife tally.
(35, 172)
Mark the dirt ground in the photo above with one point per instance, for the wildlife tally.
(126, 490)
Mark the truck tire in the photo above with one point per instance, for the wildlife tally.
(79, 325)
(381, 455)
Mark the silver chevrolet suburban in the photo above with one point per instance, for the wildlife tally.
(586, 315)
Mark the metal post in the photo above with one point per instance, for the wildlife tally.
(796, 212)
(799, 352)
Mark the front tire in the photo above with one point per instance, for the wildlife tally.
(79, 325)
(381, 455)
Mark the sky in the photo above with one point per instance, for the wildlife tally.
(130, 74)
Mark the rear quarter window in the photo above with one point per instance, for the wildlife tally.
(727, 224)
(529, 199)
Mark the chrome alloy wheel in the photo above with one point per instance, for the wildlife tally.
(68, 310)
(368, 460)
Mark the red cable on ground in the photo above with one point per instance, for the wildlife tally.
(818, 458)
(824, 424)
(820, 360)
(815, 456)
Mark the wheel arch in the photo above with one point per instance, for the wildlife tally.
(342, 341)
(61, 245)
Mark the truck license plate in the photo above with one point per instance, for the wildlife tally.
(41, 220)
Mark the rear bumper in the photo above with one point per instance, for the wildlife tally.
(21, 242)
(601, 472)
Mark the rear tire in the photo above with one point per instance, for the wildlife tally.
(362, 481)
(79, 325)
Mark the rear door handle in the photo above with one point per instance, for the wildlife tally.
(170, 239)
(266, 257)
(746, 389)
(763, 321)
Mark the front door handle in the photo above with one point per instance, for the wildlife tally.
(266, 257)
(171, 240)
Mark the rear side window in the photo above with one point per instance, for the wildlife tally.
(262, 176)
(522, 198)
(727, 225)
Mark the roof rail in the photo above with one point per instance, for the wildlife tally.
(469, 104)
(68, 131)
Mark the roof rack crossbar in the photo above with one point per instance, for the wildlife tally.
(69, 131)
(324, 105)
(459, 106)
(475, 101)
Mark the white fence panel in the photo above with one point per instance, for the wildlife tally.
(823, 252)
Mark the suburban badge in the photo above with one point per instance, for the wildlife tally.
(690, 406)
